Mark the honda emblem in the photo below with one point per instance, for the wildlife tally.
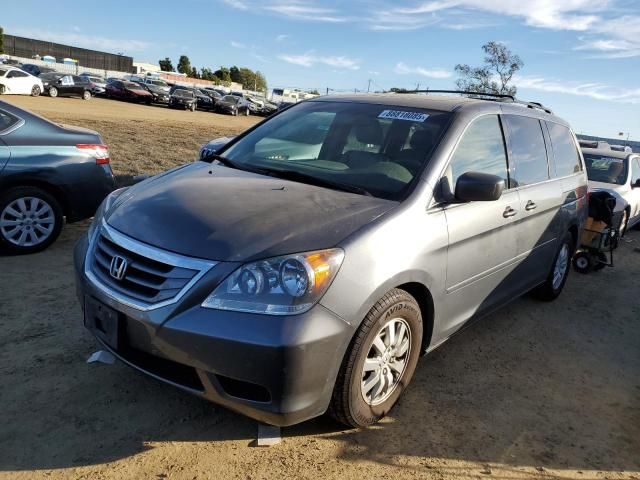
(118, 267)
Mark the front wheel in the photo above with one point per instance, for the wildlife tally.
(247, 112)
(86, 95)
(30, 220)
(380, 361)
(553, 285)
(35, 91)
(2, 89)
(53, 92)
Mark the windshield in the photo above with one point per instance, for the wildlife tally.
(183, 93)
(601, 168)
(230, 99)
(131, 85)
(376, 148)
(2, 72)
(158, 83)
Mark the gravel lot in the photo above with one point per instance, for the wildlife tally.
(534, 391)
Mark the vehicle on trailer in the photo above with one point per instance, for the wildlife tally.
(306, 265)
(48, 173)
(14, 81)
(183, 98)
(618, 172)
(233, 105)
(63, 85)
(130, 91)
(159, 94)
(36, 70)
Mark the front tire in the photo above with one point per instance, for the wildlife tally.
(30, 220)
(35, 91)
(2, 89)
(53, 92)
(553, 285)
(380, 361)
(86, 95)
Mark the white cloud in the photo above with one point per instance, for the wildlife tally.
(403, 69)
(305, 11)
(237, 4)
(235, 44)
(310, 59)
(110, 45)
(597, 91)
(282, 37)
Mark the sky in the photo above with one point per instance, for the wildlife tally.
(581, 57)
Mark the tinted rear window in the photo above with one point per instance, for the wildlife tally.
(7, 120)
(565, 151)
(528, 153)
(601, 168)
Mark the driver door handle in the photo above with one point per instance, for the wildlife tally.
(509, 212)
(531, 205)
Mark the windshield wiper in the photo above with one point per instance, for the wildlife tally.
(227, 162)
(310, 179)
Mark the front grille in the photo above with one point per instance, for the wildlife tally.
(146, 279)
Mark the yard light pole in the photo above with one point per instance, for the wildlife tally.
(626, 142)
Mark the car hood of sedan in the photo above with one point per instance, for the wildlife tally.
(224, 214)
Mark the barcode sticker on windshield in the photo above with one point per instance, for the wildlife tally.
(400, 115)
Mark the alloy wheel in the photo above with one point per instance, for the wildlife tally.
(386, 361)
(27, 221)
(560, 268)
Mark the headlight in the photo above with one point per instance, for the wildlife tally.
(104, 208)
(285, 285)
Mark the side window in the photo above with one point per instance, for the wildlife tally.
(7, 121)
(67, 80)
(481, 149)
(16, 74)
(635, 172)
(527, 150)
(565, 151)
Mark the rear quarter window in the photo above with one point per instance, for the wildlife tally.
(7, 121)
(565, 151)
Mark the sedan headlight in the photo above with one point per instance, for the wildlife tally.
(103, 209)
(285, 285)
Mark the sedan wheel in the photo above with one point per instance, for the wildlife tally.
(86, 95)
(30, 220)
(35, 91)
(1, 89)
(53, 92)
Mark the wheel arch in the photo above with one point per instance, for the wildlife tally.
(52, 190)
(424, 298)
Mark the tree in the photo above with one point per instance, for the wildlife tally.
(234, 73)
(223, 74)
(500, 64)
(1, 40)
(194, 73)
(314, 92)
(184, 65)
(166, 65)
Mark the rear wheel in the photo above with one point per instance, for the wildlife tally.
(624, 223)
(380, 361)
(2, 90)
(30, 220)
(247, 112)
(553, 285)
(53, 92)
(86, 95)
(35, 91)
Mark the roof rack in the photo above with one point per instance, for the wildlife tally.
(500, 97)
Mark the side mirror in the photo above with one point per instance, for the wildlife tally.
(479, 187)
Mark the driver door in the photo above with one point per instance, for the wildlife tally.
(482, 235)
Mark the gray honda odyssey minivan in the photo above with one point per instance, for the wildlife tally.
(306, 265)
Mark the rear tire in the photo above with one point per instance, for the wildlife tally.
(30, 220)
(86, 95)
(35, 91)
(53, 92)
(379, 364)
(553, 285)
(2, 89)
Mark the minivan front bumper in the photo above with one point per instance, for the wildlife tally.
(276, 369)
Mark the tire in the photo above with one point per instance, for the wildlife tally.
(359, 399)
(234, 112)
(2, 89)
(247, 112)
(600, 262)
(582, 263)
(553, 285)
(86, 95)
(53, 92)
(22, 230)
(625, 223)
(35, 91)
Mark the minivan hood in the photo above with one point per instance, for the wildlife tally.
(224, 214)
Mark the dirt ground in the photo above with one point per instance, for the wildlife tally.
(535, 391)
